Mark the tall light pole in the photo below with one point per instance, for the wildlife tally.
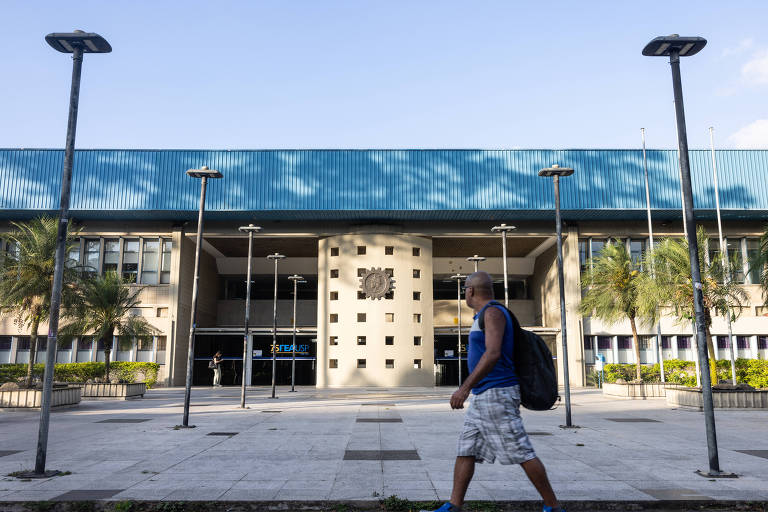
(723, 253)
(504, 229)
(296, 280)
(247, 344)
(555, 172)
(476, 259)
(275, 257)
(675, 47)
(76, 43)
(458, 278)
(204, 173)
(659, 345)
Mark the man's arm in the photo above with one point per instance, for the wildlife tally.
(495, 323)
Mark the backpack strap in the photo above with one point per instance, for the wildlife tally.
(515, 324)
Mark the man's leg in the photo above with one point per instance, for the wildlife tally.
(537, 474)
(463, 471)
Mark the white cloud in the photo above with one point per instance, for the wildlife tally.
(752, 136)
(755, 71)
(744, 45)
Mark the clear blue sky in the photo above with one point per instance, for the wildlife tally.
(386, 74)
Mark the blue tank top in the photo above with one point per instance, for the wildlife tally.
(503, 374)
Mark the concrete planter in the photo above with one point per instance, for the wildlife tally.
(721, 399)
(96, 391)
(634, 391)
(33, 398)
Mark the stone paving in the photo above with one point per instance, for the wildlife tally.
(365, 444)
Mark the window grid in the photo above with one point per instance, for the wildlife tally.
(389, 340)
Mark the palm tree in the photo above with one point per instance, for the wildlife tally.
(759, 262)
(612, 292)
(26, 276)
(102, 306)
(672, 285)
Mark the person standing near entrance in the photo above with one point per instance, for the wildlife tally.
(493, 428)
(216, 362)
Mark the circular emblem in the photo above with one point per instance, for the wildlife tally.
(375, 283)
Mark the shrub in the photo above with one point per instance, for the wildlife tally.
(750, 371)
(82, 372)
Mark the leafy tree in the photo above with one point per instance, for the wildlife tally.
(26, 276)
(673, 287)
(611, 285)
(102, 306)
(759, 263)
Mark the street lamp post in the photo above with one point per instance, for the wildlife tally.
(723, 254)
(204, 173)
(77, 43)
(276, 258)
(659, 344)
(296, 280)
(504, 229)
(675, 47)
(247, 346)
(458, 278)
(555, 172)
(476, 259)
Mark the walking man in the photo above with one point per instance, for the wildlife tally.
(492, 427)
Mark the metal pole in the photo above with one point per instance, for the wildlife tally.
(693, 252)
(506, 277)
(246, 359)
(293, 359)
(58, 269)
(458, 307)
(277, 257)
(723, 253)
(561, 283)
(193, 314)
(659, 348)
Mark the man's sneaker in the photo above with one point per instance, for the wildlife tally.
(447, 507)
(551, 509)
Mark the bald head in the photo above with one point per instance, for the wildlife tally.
(481, 284)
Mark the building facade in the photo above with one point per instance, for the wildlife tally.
(377, 235)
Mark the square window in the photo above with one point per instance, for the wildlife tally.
(416, 273)
(333, 340)
(361, 272)
(361, 363)
(334, 318)
(417, 318)
(389, 363)
(333, 363)
(334, 273)
(389, 317)
(361, 317)
(416, 251)
(360, 250)
(334, 295)
(361, 296)
(389, 340)
(361, 340)
(417, 340)
(416, 295)
(416, 364)
(390, 272)
(389, 250)
(389, 295)
(334, 251)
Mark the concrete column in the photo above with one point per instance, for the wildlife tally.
(717, 350)
(14, 349)
(572, 278)
(615, 348)
(383, 317)
(753, 346)
(675, 351)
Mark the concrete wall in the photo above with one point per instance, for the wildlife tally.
(445, 312)
(231, 313)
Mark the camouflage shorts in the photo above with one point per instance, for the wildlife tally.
(494, 429)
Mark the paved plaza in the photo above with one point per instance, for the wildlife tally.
(366, 444)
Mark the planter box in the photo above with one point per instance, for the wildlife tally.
(99, 390)
(721, 399)
(634, 391)
(33, 398)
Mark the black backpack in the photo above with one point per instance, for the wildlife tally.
(534, 366)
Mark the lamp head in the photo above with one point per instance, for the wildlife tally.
(250, 228)
(503, 228)
(476, 258)
(204, 172)
(556, 170)
(297, 278)
(663, 46)
(88, 42)
(276, 256)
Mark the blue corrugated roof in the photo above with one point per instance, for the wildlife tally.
(387, 184)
